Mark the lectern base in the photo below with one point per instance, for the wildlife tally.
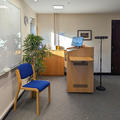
(100, 88)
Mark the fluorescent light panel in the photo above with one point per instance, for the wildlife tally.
(58, 7)
(3, 6)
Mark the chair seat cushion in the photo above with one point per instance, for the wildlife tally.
(39, 84)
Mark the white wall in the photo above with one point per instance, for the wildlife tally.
(45, 26)
(70, 23)
(8, 82)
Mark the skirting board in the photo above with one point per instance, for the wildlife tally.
(95, 73)
(103, 73)
(106, 74)
(7, 110)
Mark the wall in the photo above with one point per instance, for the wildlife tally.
(45, 27)
(100, 24)
(8, 82)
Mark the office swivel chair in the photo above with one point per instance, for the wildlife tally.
(25, 70)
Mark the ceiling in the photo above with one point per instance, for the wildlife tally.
(76, 6)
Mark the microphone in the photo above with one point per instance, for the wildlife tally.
(101, 37)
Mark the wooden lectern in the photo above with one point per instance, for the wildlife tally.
(80, 70)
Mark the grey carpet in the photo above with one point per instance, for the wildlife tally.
(72, 106)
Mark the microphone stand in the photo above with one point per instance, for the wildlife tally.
(100, 87)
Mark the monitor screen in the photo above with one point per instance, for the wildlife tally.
(77, 41)
(41, 46)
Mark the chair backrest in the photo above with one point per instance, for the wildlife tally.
(25, 70)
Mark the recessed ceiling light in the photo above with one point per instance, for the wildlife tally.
(58, 7)
(36, 0)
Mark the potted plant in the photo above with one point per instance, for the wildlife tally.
(35, 52)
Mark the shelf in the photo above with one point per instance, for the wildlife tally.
(79, 59)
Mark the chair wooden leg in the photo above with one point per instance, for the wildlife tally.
(49, 94)
(37, 102)
(16, 97)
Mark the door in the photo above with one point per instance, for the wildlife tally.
(115, 53)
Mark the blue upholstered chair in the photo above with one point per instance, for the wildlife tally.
(25, 70)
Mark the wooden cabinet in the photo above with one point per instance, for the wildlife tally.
(54, 63)
(80, 76)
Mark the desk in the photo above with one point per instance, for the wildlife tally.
(80, 70)
(54, 64)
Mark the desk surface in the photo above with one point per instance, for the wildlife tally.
(77, 59)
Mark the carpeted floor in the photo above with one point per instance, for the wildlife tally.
(72, 106)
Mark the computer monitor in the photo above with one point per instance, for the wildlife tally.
(77, 41)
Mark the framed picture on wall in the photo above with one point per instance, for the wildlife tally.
(86, 34)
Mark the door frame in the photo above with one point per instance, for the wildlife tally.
(112, 44)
